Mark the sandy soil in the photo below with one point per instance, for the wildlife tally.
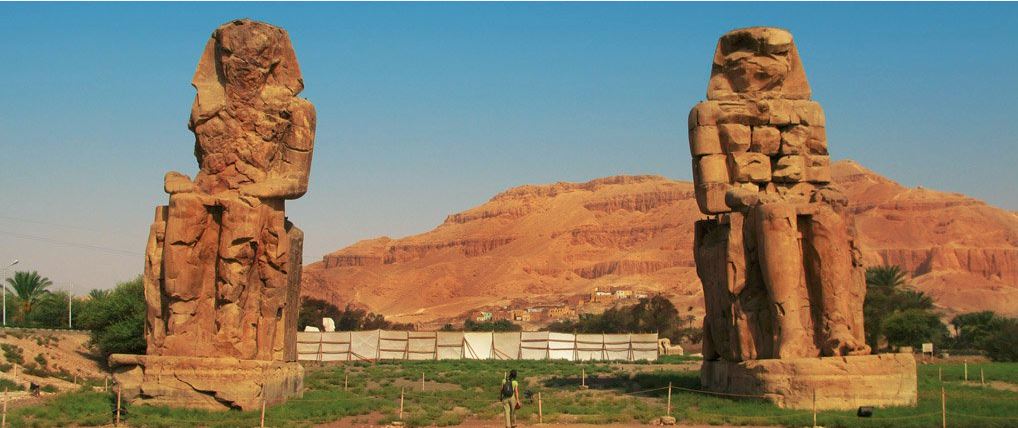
(62, 350)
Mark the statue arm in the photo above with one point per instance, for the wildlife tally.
(289, 179)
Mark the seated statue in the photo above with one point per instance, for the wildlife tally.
(222, 272)
(778, 259)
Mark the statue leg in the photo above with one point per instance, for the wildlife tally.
(237, 283)
(189, 249)
(781, 265)
(828, 249)
(155, 324)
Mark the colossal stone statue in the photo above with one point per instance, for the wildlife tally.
(781, 270)
(223, 263)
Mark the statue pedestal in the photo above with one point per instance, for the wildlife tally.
(841, 383)
(206, 383)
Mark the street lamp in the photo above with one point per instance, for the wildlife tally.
(5, 289)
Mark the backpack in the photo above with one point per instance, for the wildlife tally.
(507, 389)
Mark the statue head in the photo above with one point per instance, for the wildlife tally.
(243, 57)
(757, 62)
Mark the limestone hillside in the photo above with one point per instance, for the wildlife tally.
(541, 243)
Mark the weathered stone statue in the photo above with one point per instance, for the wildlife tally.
(223, 263)
(781, 271)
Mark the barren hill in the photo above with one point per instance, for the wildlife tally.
(541, 243)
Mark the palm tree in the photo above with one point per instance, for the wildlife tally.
(29, 288)
(886, 277)
(883, 285)
(98, 294)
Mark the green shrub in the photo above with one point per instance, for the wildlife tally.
(117, 321)
(13, 353)
(10, 385)
(41, 359)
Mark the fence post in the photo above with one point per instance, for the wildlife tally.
(401, 391)
(262, 423)
(422, 381)
(583, 377)
(814, 407)
(943, 408)
(540, 409)
(120, 388)
(940, 373)
(982, 378)
(106, 384)
(669, 398)
(346, 382)
(966, 372)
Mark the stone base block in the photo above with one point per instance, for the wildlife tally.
(841, 383)
(206, 383)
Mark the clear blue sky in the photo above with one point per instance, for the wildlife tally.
(429, 109)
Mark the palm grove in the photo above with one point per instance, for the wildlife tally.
(896, 315)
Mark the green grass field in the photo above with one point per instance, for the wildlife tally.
(458, 390)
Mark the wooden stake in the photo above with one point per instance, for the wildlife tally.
(401, 390)
(669, 398)
(540, 409)
(106, 384)
(119, 390)
(262, 423)
(422, 382)
(943, 408)
(982, 379)
(346, 382)
(940, 374)
(966, 372)
(814, 408)
(583, 377)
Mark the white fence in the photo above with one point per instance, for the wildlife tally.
(454, 345)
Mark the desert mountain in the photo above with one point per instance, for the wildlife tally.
(542, 243)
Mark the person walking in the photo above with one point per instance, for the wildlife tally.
(509, 395)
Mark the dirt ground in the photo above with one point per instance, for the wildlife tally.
(63, 351)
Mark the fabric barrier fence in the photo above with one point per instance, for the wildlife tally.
(453, 345)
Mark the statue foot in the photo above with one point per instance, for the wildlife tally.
(793, 344)
(842, 344)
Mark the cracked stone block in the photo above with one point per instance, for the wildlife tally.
(816, 144)
(750, 167)
(710, 197)
(793, 140)
(810, 113)
(765, 140)
(711, 169)
(788, 169)
(818, 169)
(734, 137)
(703, 140)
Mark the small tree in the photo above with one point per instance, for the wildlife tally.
(974, 329)
(999, 345)
(28, 289)
(886, 294)
(117, 323)
(912, 327)
(313, 310)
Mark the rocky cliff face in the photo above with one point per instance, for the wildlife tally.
(543, 242)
